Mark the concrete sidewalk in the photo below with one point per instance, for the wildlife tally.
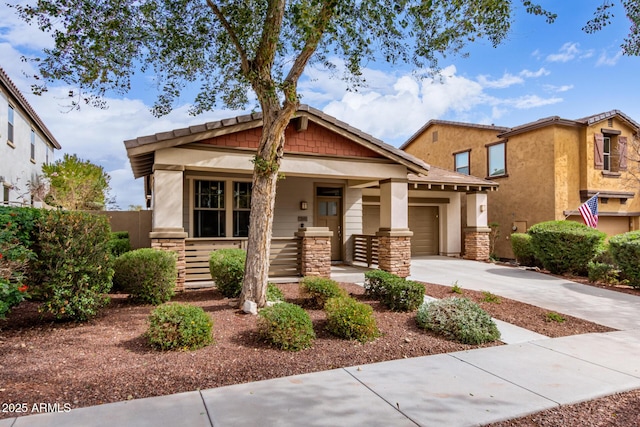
(467, 388)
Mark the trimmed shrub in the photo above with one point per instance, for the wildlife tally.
(286, 326)
(23, 222)
(227, 270)
(625, 249)
(374, 282)
(394, 292)
(602, 272)
(147, 275)
(350, 319)
(119, 243)
(565, 246)
(523, 250)
(458, 319)
(274, 294)
(403, 295)
(15, 234)
(73, 269)
(321, 289)
(179, 326)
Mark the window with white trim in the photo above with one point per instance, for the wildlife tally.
(606, 153)
(33, 145)
(461, 162)
(10, 124)
(496, 159)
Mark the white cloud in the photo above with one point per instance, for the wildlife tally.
(508, 80)
(407, 103)
(503, 82)
(606, 60)
(567, 52)
(562, 88)
(531, 101)
(19, 33)
(534, 74)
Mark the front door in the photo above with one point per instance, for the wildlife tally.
(329, 214)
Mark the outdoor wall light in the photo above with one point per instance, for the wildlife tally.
(304, 205)
(483, 208)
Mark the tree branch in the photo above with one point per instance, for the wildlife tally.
(311, 44)
(232, 34)
(266, 51)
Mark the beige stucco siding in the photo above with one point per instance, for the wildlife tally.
(567, 170)
(529, 195)
(453, 139)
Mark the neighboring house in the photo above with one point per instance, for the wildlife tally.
(546, 169)
(339, 184)
(25, 145)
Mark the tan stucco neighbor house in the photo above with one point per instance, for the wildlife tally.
(345, 197)
(546, 169)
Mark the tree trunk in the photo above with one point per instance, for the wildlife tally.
(263, 197)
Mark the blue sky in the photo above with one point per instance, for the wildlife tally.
(541, 70)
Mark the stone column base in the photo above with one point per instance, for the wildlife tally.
(173, 241)
(477, 243)
(316, 251)
(394, 251)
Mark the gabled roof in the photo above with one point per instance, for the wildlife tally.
(607, 115)
(15, 93)
(141, 150)
(430, 123)
(556, 120)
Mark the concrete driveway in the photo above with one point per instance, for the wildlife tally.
(614, 309)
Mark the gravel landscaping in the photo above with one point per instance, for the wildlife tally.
(108, 359)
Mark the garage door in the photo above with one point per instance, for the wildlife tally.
(423, 221)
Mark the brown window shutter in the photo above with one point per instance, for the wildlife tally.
(598, 153)
(622, 149)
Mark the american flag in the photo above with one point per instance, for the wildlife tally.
(589, 211)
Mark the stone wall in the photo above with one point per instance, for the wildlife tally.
(394, 251)
(477, 244)
(176, 245)
(315, 251)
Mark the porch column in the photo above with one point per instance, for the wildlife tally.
(394, 236)
(168, 233)
(316, 251)
(476, 235)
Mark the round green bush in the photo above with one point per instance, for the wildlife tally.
(147, 275)
(403, 295)
(458, 319)
(274, 294)
(625, 249)
(321, 289)
(72, 271)
(350, 319)
(179, 326)
(286, 326)
(565, 246)
(375, 282)
(119, 243)
(523, 250)
(227, 270)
